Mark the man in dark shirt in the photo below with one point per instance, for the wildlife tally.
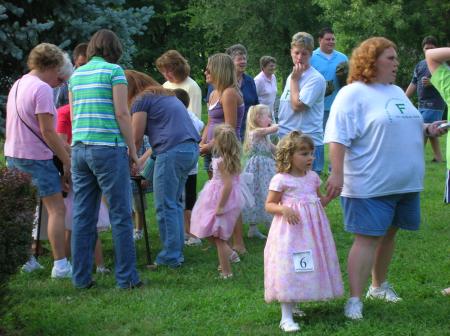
(431, 104)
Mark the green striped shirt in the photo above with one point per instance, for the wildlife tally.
(94, 120)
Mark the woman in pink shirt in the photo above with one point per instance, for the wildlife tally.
(31, 141)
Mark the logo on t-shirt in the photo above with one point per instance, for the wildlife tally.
(397, 108)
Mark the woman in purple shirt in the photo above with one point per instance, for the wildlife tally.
(225, 105)
(159, 114)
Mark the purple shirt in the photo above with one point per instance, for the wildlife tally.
(216, 117)
(168, 122)
(33, 97)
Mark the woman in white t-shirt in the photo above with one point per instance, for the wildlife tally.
(376, 151)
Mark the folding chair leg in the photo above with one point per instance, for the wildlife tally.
(144, 222)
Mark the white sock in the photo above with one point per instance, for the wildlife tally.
(286, 311)
(61, 263)
(354, 299)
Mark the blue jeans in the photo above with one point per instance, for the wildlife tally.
(98, 170)
(171, 171)
(319, 160)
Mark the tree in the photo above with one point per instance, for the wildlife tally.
(405, 22)
(265, 27)
(26, 23)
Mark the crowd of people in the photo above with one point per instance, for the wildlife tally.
(106, 114)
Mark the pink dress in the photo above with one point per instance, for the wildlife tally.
(281, 282)
(204, 222)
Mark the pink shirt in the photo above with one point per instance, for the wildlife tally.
(266, 89)
(33, 97)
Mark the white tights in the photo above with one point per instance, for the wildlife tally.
(286, 311)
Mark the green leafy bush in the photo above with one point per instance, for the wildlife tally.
(17, 202)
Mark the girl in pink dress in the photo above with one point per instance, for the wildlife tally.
(220, 202)
(300, 261)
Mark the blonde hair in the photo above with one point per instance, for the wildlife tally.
(254, 112)
(45, 56)
(303, 40)
(228, 147)
(222, 71)
(362, 63)
(288, 145)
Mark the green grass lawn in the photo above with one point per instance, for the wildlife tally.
(193, 301)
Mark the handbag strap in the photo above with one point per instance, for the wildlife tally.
(31, 130)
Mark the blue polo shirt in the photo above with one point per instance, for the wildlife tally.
(327, 67)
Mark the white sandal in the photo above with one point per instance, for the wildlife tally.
(289, 326)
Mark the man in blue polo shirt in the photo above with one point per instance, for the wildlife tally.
(325, 60)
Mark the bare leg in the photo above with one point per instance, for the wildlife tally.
(68, 235)
(222, 251)
(187, 223)
(238, 240)
(360, 262)
(436, 149)
(56, 213)
(137, 220)
(383, 257)
(98, 253)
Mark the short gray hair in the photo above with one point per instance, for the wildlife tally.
(66, 68)
(236, 50)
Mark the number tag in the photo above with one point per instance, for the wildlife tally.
(303, 261)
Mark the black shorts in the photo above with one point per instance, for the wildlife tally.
(190, 190)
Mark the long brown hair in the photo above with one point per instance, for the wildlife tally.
(140, 83)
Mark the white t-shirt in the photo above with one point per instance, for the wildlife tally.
(194, 92)
(198, 124)
(383, 135)
(312, 91)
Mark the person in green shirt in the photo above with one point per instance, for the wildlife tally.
(437, 63)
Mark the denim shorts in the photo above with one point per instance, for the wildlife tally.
(44, 174)
(319, 159)
(431, 115)
(374, 216)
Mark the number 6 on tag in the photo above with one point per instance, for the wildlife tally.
(303, 261)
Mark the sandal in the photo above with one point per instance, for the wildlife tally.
(233, 258)
(296, 311)
(289, 326)
(225, 276)
(446, 291)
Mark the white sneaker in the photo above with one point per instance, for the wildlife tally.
(253, 232)
(289, 326)
(102, 270)
(193, 241)
(62, 273)
(353, 309)
(384, 292)
(138, 234)
(31, 265)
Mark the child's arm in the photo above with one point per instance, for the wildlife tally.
(144, 157)
(263, 131)
(324, 200)
(274, 207)
(227, 185)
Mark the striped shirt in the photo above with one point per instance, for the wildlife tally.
(94, 120)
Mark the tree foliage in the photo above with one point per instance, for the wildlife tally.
(405, 22)
(265, 27)
(65, 23)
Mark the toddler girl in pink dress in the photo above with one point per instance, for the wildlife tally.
(300, 261)
(221, 201)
